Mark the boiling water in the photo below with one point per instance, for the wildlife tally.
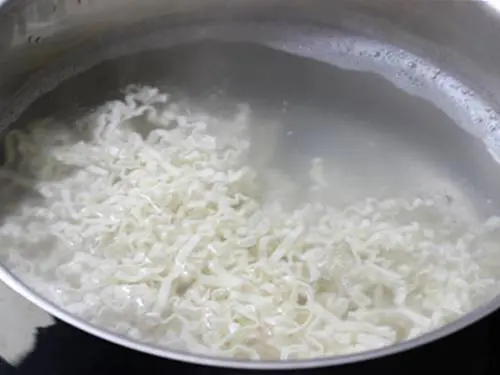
(316, 86)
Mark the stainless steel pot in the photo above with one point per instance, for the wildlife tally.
(316, 56)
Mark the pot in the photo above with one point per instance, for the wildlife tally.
(418, 79)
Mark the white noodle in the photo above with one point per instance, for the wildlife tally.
(166, 236)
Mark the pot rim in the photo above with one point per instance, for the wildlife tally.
(468, 319)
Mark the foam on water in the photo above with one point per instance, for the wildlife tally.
(408, 72)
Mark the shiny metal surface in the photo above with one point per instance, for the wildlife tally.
(395, 95)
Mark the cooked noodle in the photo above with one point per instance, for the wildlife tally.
(164, 235)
